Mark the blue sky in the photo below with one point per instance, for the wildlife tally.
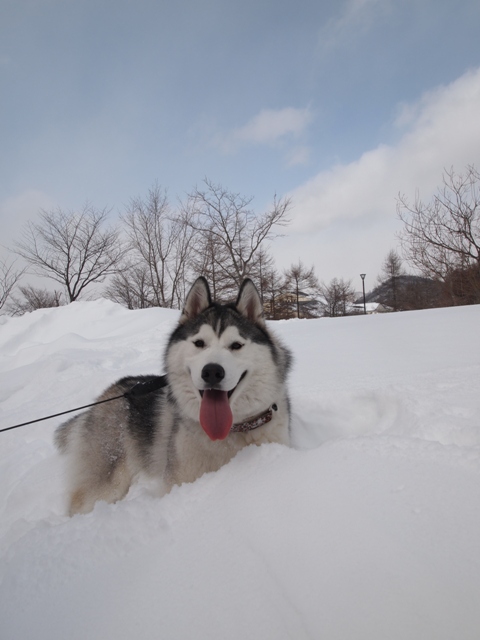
(341, 105)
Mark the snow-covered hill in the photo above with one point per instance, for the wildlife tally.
(368, 529)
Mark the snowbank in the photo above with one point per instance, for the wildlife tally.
(367, 529)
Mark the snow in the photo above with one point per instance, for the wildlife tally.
(367, 529)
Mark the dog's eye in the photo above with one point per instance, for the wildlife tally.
(199, 343)
(235, 346)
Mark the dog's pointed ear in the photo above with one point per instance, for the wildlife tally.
(249, 303)
(198, 299)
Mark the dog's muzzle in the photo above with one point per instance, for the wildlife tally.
(216, 415)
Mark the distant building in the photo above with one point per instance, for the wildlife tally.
(371, 308)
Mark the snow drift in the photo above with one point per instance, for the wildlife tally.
(368, 528)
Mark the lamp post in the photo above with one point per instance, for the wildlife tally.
(362, 276)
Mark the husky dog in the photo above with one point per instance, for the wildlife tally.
(224, 389)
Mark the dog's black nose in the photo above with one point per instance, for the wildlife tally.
(213, 373)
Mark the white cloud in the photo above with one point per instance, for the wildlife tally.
(269, 127)
(442, 130)
(344, 219)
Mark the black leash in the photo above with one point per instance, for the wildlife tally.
(138, 389)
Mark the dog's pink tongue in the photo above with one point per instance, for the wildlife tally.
(215, 414)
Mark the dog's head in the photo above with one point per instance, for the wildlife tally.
(220, 359)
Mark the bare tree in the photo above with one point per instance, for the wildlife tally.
(71, 248)
(231, 234)
(392, 270)
(131, 287)
(9, 278)
(262, 266)
(160, 245)
(462, 286)
(207, 253)
(337, 296)
(303, 285)
(275, 295)
(443, 236)
(33, 299)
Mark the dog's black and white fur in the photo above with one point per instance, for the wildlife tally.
(224, 389)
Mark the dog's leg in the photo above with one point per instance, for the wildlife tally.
(110, 486)
(98, 467)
